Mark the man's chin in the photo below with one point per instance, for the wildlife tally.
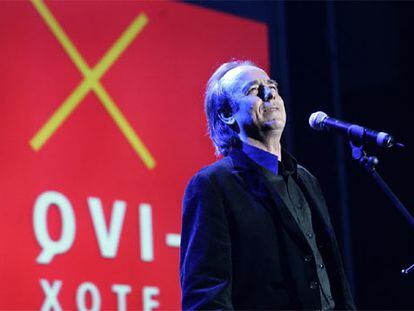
(274, 125)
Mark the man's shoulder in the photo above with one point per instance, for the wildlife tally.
(220, 168)
(304, 172)
(211, 177)
(308, 178)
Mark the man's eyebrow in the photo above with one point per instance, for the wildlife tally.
(271, 81)
(249, 84)
(257, 81)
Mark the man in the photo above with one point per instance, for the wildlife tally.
(256, 233)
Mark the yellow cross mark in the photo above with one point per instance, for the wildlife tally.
(91, 82)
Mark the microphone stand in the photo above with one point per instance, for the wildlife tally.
(369, 163)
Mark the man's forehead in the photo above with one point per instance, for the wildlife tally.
(243, 74)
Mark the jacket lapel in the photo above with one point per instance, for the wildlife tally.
(244, 169)
(274, 200)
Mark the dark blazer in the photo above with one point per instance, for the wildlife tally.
(242, 249)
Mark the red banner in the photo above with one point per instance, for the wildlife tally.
(102, 125)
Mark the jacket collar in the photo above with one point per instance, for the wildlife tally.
(260, 187)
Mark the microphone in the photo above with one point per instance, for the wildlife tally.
(320, 121)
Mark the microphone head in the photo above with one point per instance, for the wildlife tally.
(316, 120)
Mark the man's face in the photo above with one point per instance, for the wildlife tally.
(260, 107)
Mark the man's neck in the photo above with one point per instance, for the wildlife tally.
(270, 145)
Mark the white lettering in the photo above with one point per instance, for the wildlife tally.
(147, 293)
(121, 292)
(145, 222)
(41, 207)
(172, 239)
(84, 289)
(51, 292)
(108, 238)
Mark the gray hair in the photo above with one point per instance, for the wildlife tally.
(218, 101)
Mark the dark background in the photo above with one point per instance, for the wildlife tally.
(354, 61)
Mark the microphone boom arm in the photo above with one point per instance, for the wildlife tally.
(369, 163)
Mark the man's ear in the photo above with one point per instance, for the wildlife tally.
(226, 118)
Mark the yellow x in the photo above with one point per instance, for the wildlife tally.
(91, 82)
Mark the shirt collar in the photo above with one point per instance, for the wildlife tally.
(271, 162)
(289, 165)
(265, 159)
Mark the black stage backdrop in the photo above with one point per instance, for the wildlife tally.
(353, 60)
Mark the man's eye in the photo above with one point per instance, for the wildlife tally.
(253, 90)
(273, 87)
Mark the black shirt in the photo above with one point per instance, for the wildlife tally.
(283, 176)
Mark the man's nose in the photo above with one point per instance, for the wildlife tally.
(266, 94)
